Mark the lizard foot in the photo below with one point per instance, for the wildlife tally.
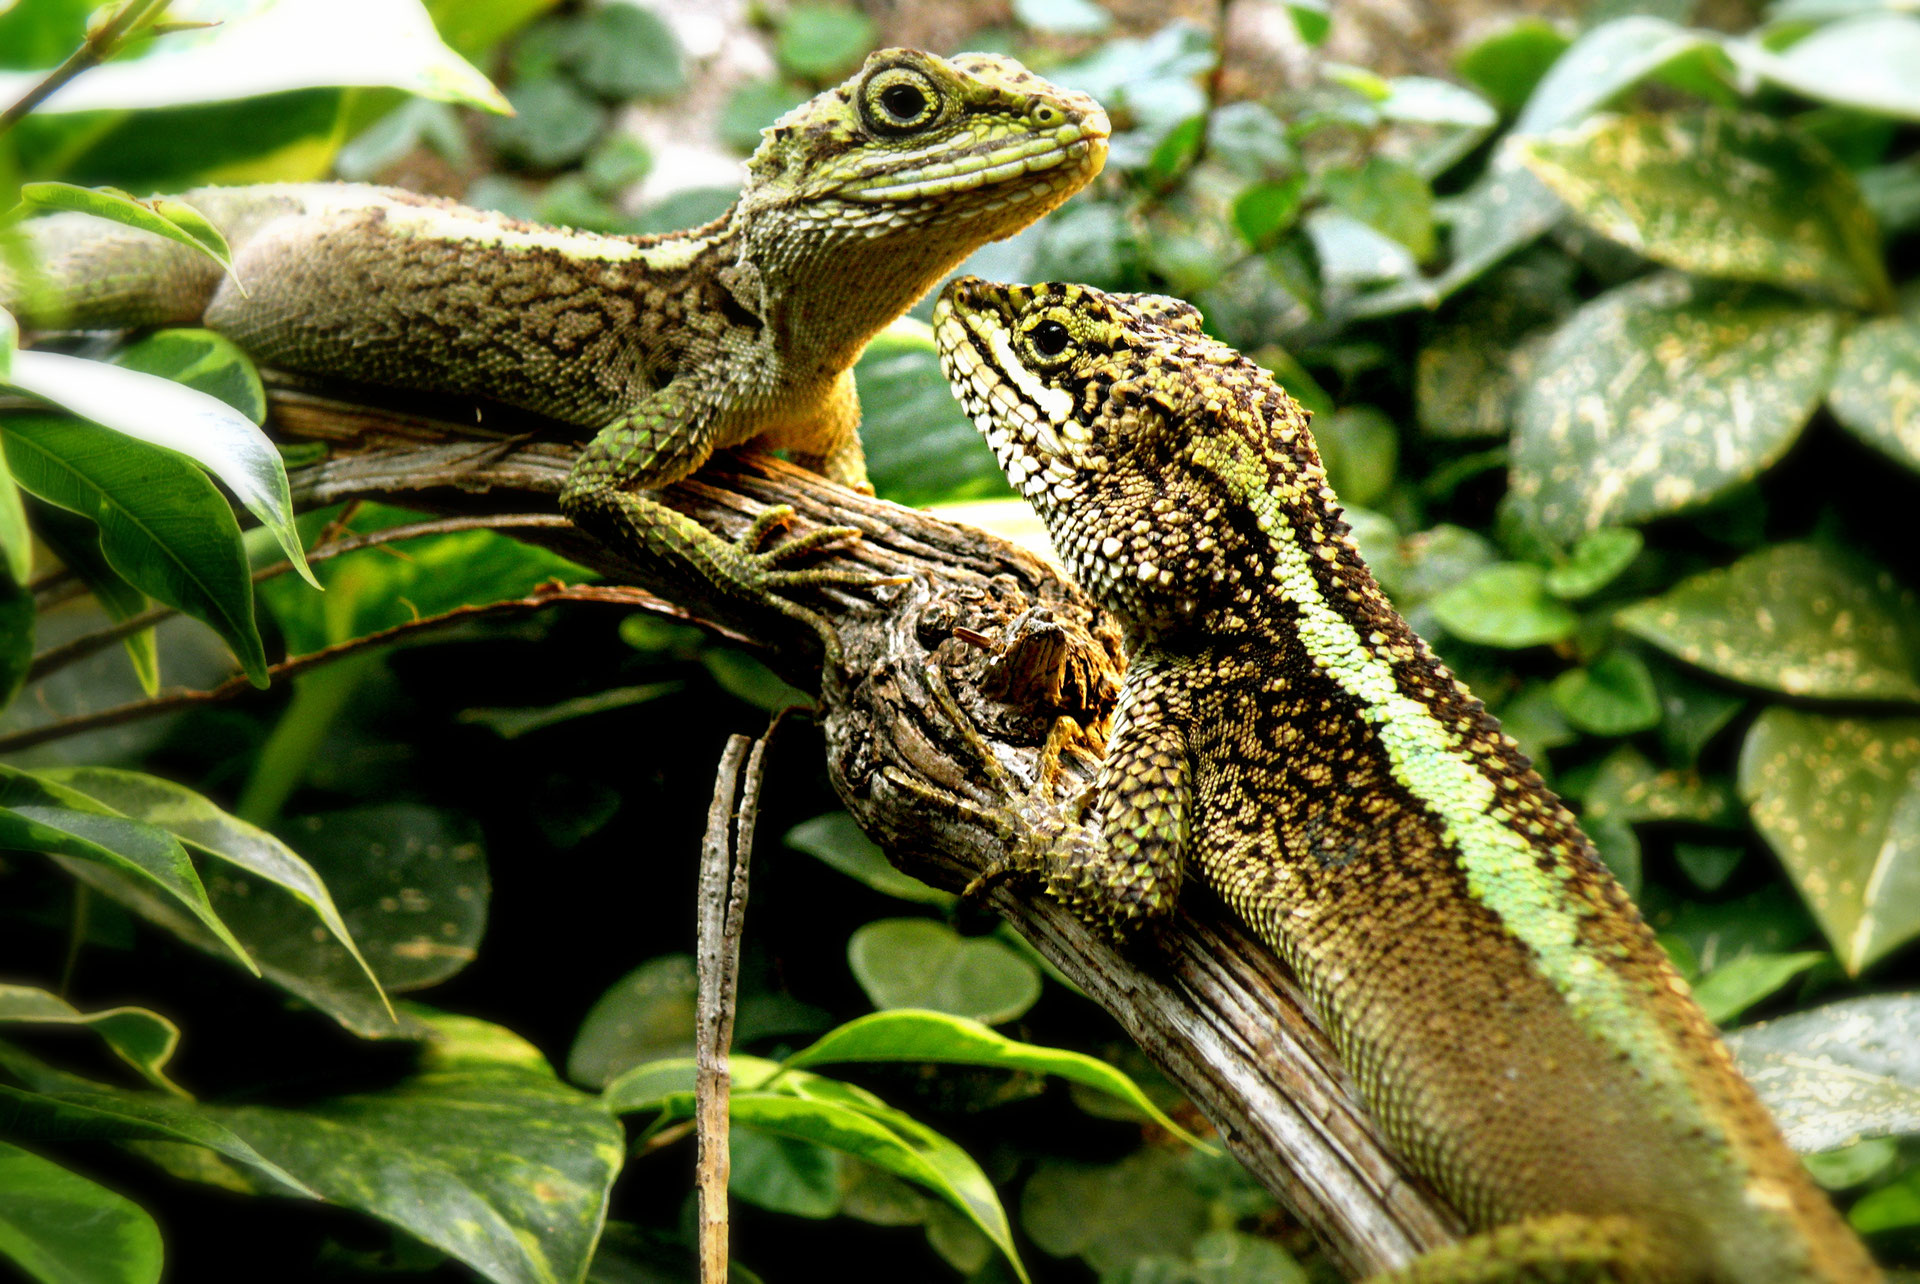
(766, 565)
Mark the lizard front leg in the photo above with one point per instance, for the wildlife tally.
(664, 439)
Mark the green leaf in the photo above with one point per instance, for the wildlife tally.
(1360, 448)
(482, 1153)
(38, 815)
(1708, 866)
(1312, 19)
(17, 620)
(175, 220)
(194, 820)
(918, 963)
(1893, 1207)
(628, 52)
(1739, 196)
(823, 42)
(1661, 395)
(1604, 62)
(867, 1129)
(163, 526)
(1265, 210)
(1838, 799)
(76, 542)
(1865, 62)
(836, 840)
(1510, 63)
(1595, 562)
(1838, 1074)
(204, 428)
(144, 1040)
(63, 1229)
(936, 1037)
(1738, 984)
(268, 48)
(1389, 197)
(921, 449)
(553, 124)
(1876, 385)
(1506, 605)
(1354, 253)
(1114, 1214)
(1613, 696)
(9, 343)
(647, 1015)
(784, 1174)
(207, 362)
(752, 107)
(1630, 787)
(1796, 618)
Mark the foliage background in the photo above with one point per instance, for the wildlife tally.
(1610, 327)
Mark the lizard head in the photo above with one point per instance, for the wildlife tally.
(976, 144)
(1156, 455)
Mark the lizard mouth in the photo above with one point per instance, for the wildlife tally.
(1072, 154)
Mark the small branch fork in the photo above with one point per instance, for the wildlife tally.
(724, 858)
(948, 686)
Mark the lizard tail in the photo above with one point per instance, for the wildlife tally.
(85, 273)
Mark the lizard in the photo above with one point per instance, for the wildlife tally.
(1283, 734)
(663, 348)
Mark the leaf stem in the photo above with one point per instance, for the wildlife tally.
(100, 44)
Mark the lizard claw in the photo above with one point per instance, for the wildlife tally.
(766, 564)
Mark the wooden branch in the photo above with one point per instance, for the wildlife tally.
(1018, 649)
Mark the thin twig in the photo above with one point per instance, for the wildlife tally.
(720, 865)
(171, 701)
(58, 657)
(94, 50)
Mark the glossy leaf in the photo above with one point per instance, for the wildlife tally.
(921, 449)
(1661, 395)
(784, 1174)
(1795, 618)
(1739, 196)
(269, 48)
(834, 839)
(40, 815)
(194, 820)
(919, 963)
(1838, 1074)
(482, 1153)
(9, 343)
(1510, 63)
(1613, 696)
(206, 362)
(1739, 983)
(174, 220)
(1876, 385)
(60, 1228)
(647, 1015)
(1865, 62)
(936, 1037)
(1838, 799)
(163, 526)
(144, 1040)
(1594, 562)
(1506, 605)
(1604, 62)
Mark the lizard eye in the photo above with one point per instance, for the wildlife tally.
(898, 100)
(1049, 338)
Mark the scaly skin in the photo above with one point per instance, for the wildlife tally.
(1511, 1022)
(669, 347)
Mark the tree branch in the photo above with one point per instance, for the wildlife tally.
(1019, 649)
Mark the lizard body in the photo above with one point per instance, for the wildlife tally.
(668, 347)
(1284, 734)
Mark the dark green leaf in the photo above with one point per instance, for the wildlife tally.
(1388, 197)
(1662, 395)
(163, 526)
(1796, 618)
(38, 815)
(1113, 1214)
(1176, 152)
(1595, 562)
(1360, 449)
(1876, 385)
(921, 449)
(194, 820)
(17, 618)
(1708, 866)
(784, 1174)
(752, 107)
(620, 161)
(647, 1015)
(1505, 606)
(835, 840)
(823, 42)
(553, 124)
(1840, 1073)
(1838, 799)
(144, 1040)
(1265, 210)
(1719, 194)
(1613, 696)
(918, 963)
(628, 52)
(63, 1229)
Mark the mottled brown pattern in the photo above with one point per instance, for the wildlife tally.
(1283, 734)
